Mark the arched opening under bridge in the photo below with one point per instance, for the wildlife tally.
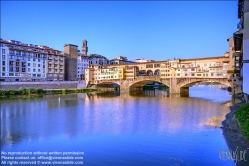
(148, 87)
(202, 86)
(108, 85)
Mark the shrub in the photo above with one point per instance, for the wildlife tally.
(17, 92)
(32, 91)
(63, 91)
(57, 91)
(229, 89)
(22, 91)
(39, 91)
(243, 116)
(12, 92)
(28, 91)
(2, 92)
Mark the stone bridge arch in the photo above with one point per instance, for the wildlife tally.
(184, 85)
(221, 81)
(106, 84)
(140, 83)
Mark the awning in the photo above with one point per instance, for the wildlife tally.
(238, 39)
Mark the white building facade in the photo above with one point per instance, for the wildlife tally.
(22, 62)
(82, 64)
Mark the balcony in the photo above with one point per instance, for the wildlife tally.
(50, 57)
(55, 62)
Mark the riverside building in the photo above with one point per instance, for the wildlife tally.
(241, 45)
(26, 62)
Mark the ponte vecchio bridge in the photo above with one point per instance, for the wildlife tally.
(177, 74)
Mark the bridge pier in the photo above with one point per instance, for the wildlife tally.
(184, 91)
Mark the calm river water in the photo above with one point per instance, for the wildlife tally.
(151, 128)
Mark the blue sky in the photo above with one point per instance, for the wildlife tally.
(155, 30)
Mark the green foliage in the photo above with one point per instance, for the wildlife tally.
(32, 91)
(56, 91)
(63, 91)
(2, 92)
(28, 91)
(39, 91)
(243, 116)
(12, 92)
(70, 91)
(22, 91)
(229, 89)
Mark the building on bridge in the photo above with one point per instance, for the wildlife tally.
(206, 69)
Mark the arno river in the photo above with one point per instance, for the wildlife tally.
(151, 128)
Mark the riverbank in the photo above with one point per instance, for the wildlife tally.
(234, 137)
(38, 92)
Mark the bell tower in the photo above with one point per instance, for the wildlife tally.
(84, 47)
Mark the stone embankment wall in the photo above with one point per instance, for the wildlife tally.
(43, 85)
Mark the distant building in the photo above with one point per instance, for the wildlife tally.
(82, 64)
(28, 62)
(120, 60)
(82, 61)
(71, 54)
(143, 60)
(56, 65)
(95, 59)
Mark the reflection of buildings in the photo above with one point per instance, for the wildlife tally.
(88, 114)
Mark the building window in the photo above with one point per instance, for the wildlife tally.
(38, 65)
(3, 62)
(39, 60)
(33, 70)
(28, 69)
(33, 59)
(28, 59)
(3, 69)
(39, 70)
(192, 74)
(3, 56)
(34, 65)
